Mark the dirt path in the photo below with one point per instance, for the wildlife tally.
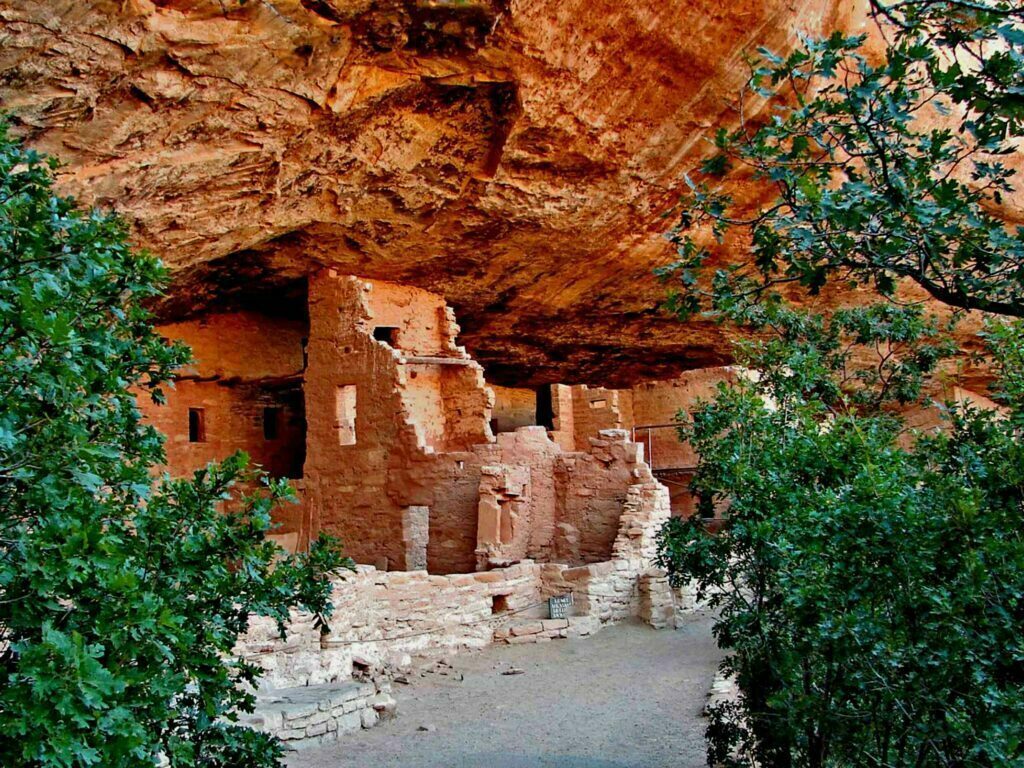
(629, 697)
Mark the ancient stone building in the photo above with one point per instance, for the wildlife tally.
(322, 177)
(387, 428)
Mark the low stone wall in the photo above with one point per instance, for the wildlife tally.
(311, 715)
(543, 630)
(382, 618)
(611, 590)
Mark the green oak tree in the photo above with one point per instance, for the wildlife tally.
(868, 578)
(121, 595)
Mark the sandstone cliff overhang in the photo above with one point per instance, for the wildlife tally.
(514, 156)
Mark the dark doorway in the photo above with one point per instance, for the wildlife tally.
(545, 411)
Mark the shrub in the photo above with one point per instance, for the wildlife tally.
(120, 597)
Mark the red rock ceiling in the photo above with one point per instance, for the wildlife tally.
(515, 156)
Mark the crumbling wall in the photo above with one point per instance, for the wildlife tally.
(467, 405)
(449, 484)
(610, 589)
(349, 454)
(423, 397)
(513, 408)
(533, 500)
(539, 502)
(518, 497)
(381, 617)
(596, 409)
(400, 462)
(593, 488)
(415, 399)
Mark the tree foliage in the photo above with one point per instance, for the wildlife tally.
(880, 167)
(869, 582)
(868, 578)
(120, 597)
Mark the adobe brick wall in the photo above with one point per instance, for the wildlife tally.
(233, 421)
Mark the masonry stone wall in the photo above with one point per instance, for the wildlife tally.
(593, 488)
(246, 369)
(659, 402)
(417, 396)
(379, 413)
(513, 408)
(380, 617)
(563, 421)
(596, 408)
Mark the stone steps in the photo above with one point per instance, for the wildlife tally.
(311, 715)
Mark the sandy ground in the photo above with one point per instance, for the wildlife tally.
(629, 697)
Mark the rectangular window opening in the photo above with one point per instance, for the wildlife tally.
(596, 404)
(499, 604)
(271, 423)
(345, 411)
(386, 333)
(196, 425)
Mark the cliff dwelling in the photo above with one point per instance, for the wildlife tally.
(468, 507)
(398, 446)
(418, 250)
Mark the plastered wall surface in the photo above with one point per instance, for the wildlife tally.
(246, 370)
(513, 408)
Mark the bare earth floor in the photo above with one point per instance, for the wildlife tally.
(629, 697)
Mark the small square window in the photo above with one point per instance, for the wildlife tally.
(196, 425)
(387, 334)
(271, 423)
(499, 604)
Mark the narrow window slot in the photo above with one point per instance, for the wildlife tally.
(345, 411)
(196, 425)
(271, 423)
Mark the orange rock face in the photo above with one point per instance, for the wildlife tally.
(513, 156)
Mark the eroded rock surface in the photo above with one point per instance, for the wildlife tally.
(515, 156)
